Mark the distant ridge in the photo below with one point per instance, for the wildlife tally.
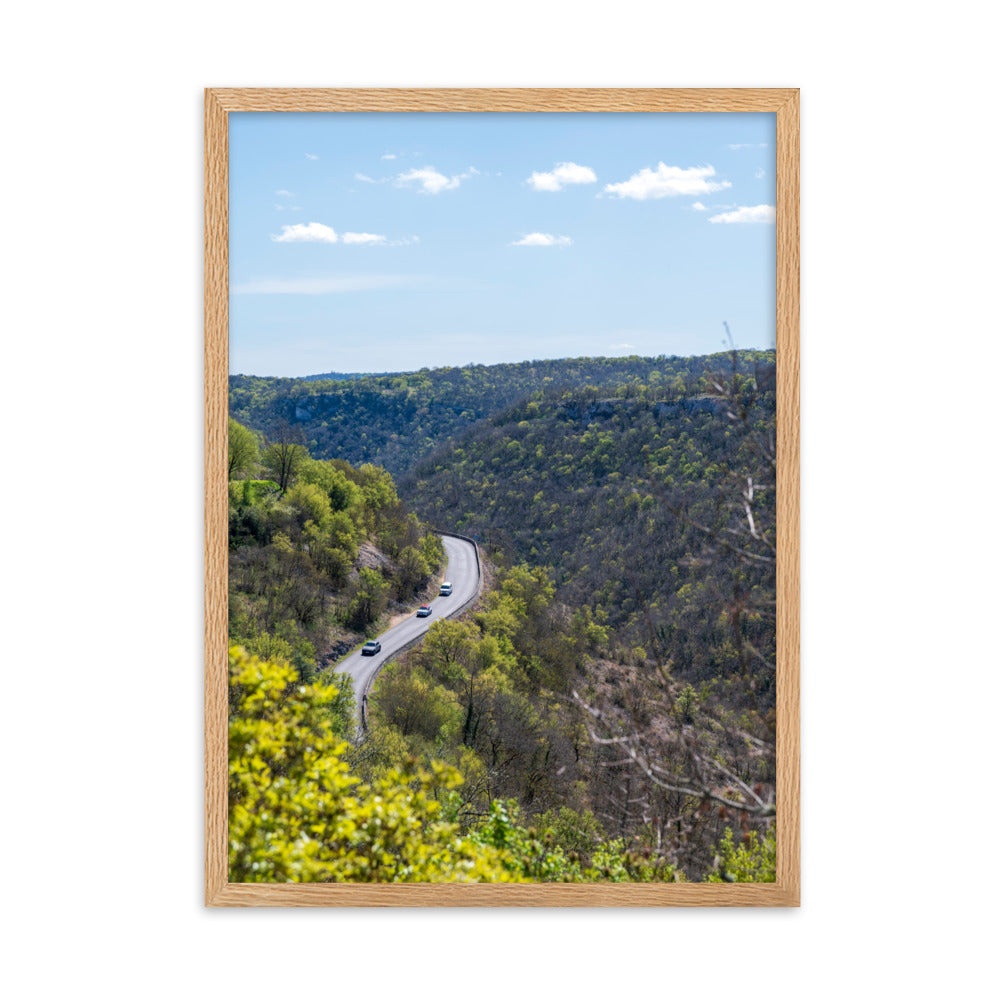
(343, 376)
(395, 420)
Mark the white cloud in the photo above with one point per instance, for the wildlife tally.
(316, 232)
(370, 238)
(666, 182)
(284, 194)
(622, 347)
(313, 232)
(564, 173)
(699, 207)
(311, 156)
(748, 145)
(388, 156)
(542, 240)
(364, 177)
(759, 173)
(429, 180)
(746, 213)
(325, 286)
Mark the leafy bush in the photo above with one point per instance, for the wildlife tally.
(298, 814)
(752, 860)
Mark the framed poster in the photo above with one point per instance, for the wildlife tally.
(501, 463)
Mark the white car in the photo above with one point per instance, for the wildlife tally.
(446, 589)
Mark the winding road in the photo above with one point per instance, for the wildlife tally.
(462, 571)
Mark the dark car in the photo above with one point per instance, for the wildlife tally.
(423, 611)
(446, 589)
(371, 648)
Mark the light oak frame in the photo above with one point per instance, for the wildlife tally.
(219, 102)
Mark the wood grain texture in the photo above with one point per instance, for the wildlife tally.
(787, 510)
(644, 895)
(504, 100)
(218, 104)
(216, 494)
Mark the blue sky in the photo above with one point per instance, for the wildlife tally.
(393, 242)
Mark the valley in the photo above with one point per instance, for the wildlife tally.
(613, 684)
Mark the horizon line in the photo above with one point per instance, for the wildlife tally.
(498, 364)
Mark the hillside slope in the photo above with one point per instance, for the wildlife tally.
(624, 499)
(395, 420)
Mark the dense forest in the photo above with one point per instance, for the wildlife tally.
(604, 713)
(394, 420)
(320, 553)
(591, 488)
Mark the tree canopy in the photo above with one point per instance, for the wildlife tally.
(243, 449)
(298, 814)
(393, 420)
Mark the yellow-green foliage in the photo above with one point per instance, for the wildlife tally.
(343, 494)
(752, 860)
(311, 503)
(298, 814)
(536, 854)
(411, 703)
(244, 452)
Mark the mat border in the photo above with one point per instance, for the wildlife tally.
(219, 103)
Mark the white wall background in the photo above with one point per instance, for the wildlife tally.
(101, 221)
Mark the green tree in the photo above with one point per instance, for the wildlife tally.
(244, 452)
(411, 704)
(311, 503)
(534, 854)
(413, 571)
(432, 549)
(298, 814)
(448, 648)
(532, 857)
(576, 832)
(378, 487)
(301, 655)
(369, 599)
(754, 859)
(282, 460)
(333, 481)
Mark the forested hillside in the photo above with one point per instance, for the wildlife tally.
(319, 552)
(620, 497)
(636, 695)
(394, 420)
(604, 713)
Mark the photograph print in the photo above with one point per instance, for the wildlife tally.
(502, 498)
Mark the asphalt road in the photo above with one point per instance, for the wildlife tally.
(462, 572)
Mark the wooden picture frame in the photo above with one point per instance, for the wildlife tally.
(219, 103)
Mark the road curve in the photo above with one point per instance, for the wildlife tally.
(462, 571)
